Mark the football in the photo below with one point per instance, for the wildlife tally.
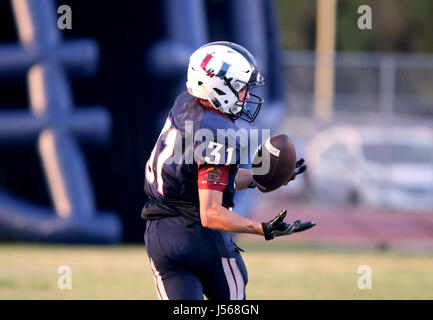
(271, 174)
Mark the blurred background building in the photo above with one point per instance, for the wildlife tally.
(358, 103)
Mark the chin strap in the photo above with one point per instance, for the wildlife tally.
(252, 185)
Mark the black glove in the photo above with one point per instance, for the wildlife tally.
(277, 227)
(300, 168)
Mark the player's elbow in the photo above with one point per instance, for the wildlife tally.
(208, 217)
(210, 207)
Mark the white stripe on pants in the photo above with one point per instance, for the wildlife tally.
(159, 285)
(234, 278)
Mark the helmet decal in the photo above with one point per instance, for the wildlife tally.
(205, 62)
(223, 70)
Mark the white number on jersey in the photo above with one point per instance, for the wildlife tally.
(166, 153)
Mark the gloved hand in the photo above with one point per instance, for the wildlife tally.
(277, 227)
(300, 168)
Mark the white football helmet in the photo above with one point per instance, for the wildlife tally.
(217, 71)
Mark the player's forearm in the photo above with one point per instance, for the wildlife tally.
(243, 179)
(225, 220)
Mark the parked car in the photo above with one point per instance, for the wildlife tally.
(373, 166)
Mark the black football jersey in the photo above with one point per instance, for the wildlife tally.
(193, 135)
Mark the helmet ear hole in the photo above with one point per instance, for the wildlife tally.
(226, 101)
(199, 83)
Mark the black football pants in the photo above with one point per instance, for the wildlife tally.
(189, 261)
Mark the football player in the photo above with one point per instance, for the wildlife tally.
(189, 214)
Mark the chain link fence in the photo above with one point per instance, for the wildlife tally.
(381, 84)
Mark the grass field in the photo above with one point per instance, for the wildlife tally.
(278, 270)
